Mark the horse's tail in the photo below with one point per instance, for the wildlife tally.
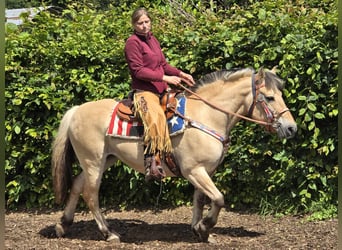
(63, 157)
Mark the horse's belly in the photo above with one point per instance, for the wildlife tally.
(131, 152)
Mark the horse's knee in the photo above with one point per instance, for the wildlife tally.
(219, 200)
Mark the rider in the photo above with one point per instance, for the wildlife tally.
(151, 75)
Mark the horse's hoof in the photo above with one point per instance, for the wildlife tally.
(60, 232)
(201, 232)
(212, 240)
(113, 238)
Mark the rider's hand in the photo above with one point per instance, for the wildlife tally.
(174, 80)
(187, 78)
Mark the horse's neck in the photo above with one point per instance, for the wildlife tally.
(231, 97)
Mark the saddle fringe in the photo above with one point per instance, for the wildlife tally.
(156, 142)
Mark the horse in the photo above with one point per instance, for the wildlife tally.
(217, 102)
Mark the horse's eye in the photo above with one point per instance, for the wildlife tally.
(269, 98)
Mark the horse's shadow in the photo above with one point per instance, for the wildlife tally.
(138, 231)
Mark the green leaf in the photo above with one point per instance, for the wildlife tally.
(13, 183)
(312, 125)
(17, 129)
(31, 132)
(17, 102)
(313, 186)
(334, 112)
(312, 107)
(319, 57)
(324, 180)
(301, 111)
(319, 115)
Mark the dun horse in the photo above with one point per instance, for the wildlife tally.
(213, 107)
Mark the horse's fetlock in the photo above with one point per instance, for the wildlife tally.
(209, 222)
(195, 229)
(113, 237)
(66, 222)
(62, 227)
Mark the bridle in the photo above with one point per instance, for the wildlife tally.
(271, 114)
(258, 98)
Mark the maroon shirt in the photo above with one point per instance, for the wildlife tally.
(147, 63)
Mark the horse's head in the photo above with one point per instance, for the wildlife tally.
(269, 105)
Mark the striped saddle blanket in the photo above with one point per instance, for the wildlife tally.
(135, 129)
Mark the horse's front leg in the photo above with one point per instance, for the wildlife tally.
(198, 203)
(204, 187)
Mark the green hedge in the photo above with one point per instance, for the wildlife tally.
(54, 63)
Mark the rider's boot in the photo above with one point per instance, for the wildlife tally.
(153, 167)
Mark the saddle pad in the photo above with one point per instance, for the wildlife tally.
(176, 123)
(133, 130)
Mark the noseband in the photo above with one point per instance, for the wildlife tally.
(258, 98)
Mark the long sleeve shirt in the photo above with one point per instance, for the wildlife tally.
(147, 63)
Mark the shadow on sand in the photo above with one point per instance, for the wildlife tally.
(133, 231)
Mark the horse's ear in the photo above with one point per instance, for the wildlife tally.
(274, 70)
(260, 75)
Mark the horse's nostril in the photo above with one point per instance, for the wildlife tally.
(291, 131)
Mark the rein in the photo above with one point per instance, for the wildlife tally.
(254, 90)
(272, 116)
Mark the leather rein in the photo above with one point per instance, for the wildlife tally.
(258, 98)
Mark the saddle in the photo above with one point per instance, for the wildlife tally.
(168, 103)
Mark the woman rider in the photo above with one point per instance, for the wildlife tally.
(151, 75)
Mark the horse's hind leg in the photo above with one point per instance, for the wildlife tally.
(69, 211)
(91, 197)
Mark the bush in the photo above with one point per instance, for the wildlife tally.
(57, 62)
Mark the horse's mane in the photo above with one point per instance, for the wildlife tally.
(225, 75)
(271, 79)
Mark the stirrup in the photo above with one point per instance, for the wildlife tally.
(153, 168)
